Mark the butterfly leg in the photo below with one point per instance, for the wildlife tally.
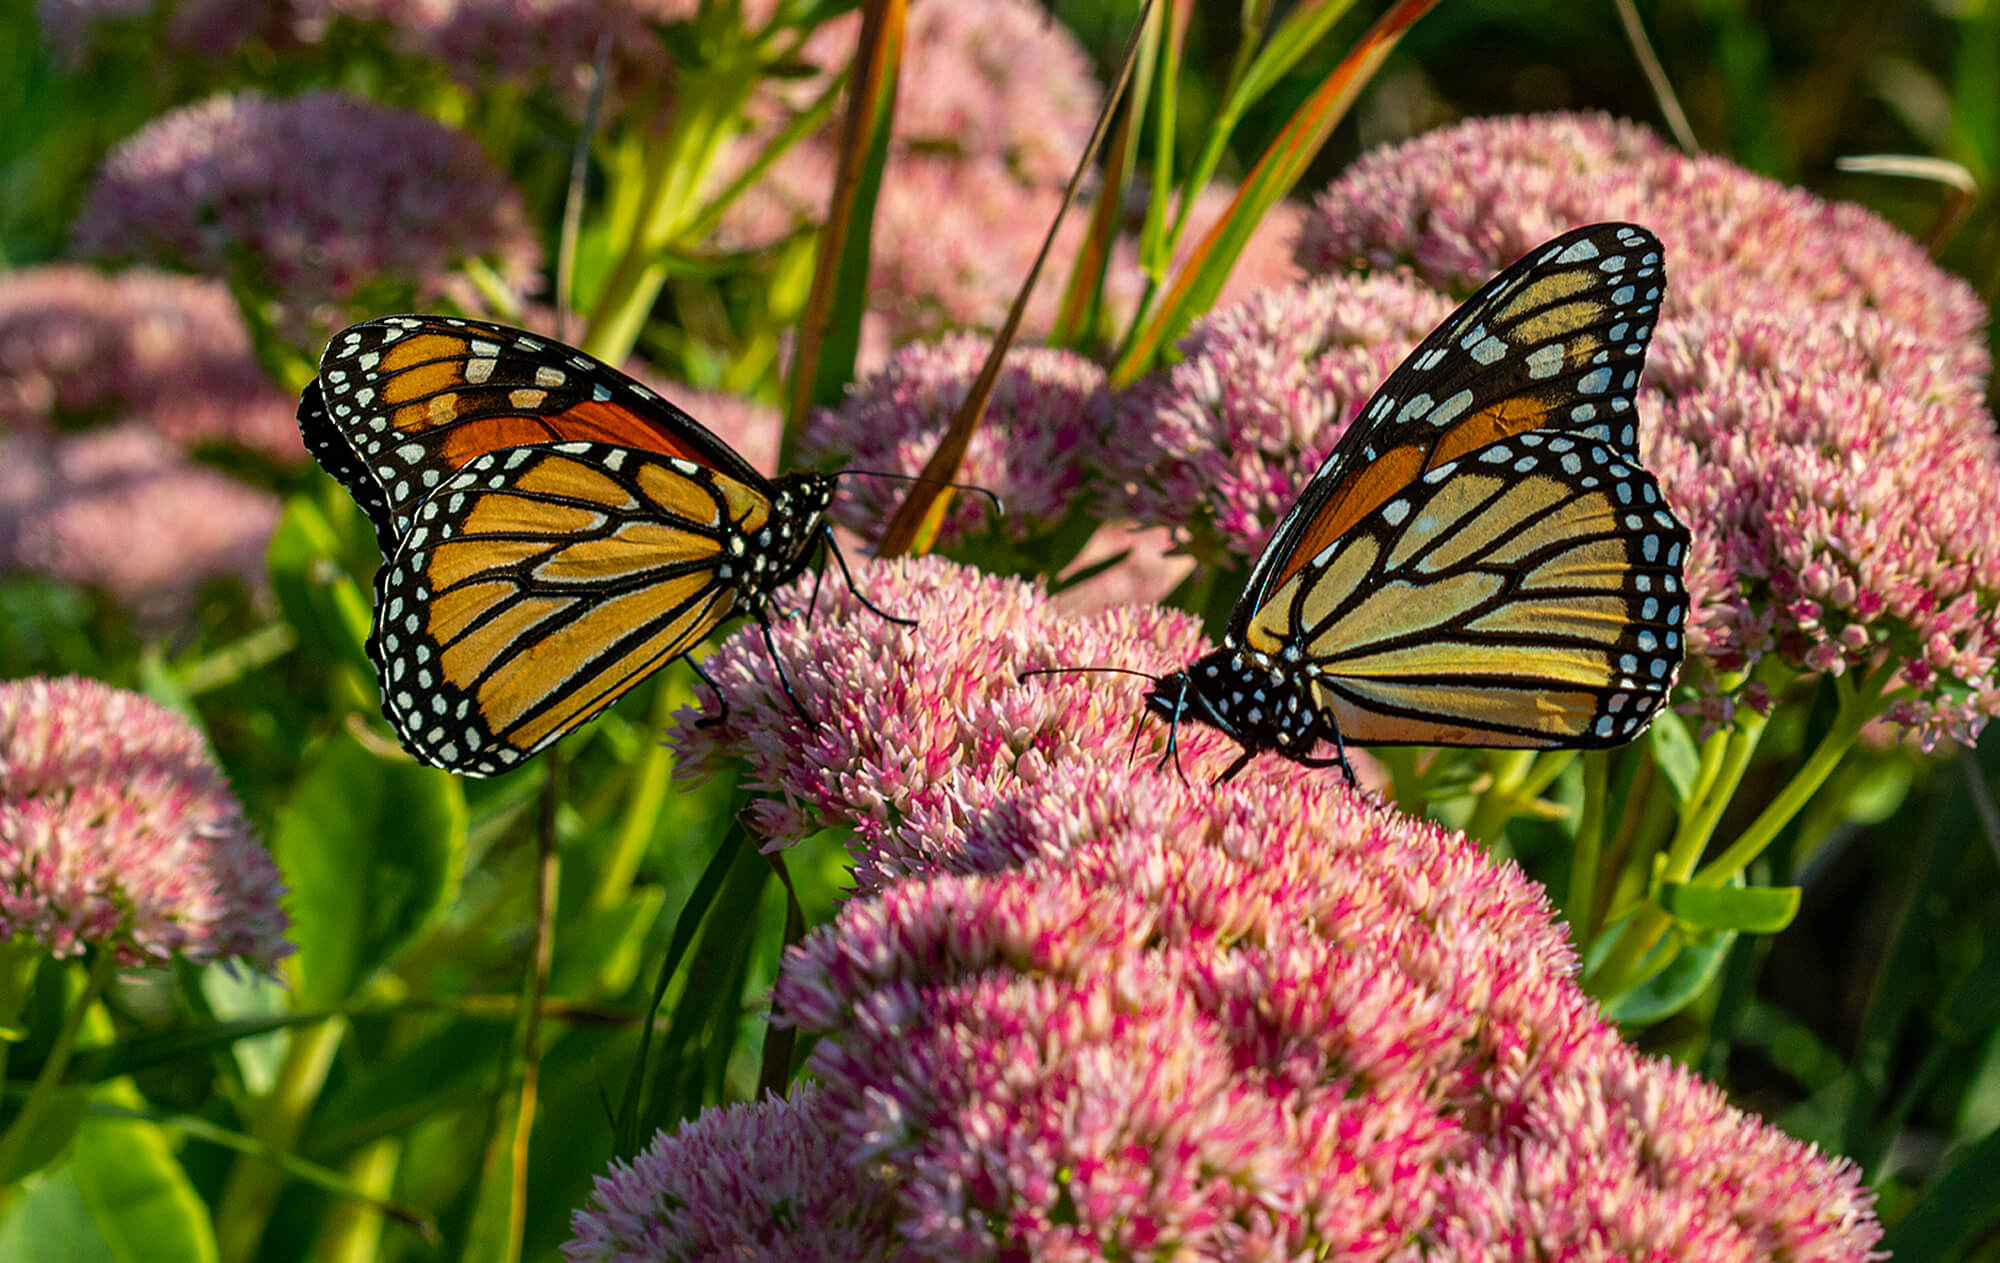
(866, 604)
(1338, 760)
(710, 721)
(1242, 761)
(770, 647)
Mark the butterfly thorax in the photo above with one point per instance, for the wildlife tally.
(1262, 702)
(777, 552)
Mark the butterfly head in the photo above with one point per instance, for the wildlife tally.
(797, 523)
(1262, 702)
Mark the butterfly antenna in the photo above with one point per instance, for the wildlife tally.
(933, 482)
(1024, 676)
(784, 680)
(833, 546)
(709, 721)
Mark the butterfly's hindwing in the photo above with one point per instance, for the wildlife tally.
(1527, 595)
(539, 583)
(1555, 342)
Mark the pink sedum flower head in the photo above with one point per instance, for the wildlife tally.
(312, 202)
(757, 1181)
(1223, 442)
(121, 510)
(1085, 1009)
(118, 832)
(920, 725)
(552, 44)
(1041, 435)
(1838, 473)
(167, 352)
(1459, 203)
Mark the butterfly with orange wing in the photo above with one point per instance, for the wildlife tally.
(1481, 560)
(552, 530)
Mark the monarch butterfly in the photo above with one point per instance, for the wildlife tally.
(1481, 560)
(552, 531)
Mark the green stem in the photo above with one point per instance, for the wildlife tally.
(1588, 849)
(1502, 798)
(251, 1191)
(237, 659)
(643, 802)
(1702, 812)
(19, 959)
(1858, 704)
(42, 1095)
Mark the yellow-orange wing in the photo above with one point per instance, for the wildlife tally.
(1527, 595)
(1553, 343)
(537, 584)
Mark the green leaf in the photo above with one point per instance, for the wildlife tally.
(372, 849)
(317, 595)
(138, 1196)
(47, 1221)
(1748, 909)
(1674, 752)
(1957, 1208)
(1688, 969)
(598, 953)
(47, 1137)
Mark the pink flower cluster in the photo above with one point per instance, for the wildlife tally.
(762, 1181)
(170, 353)
(1830, 450)
(123, 510)
(1223, 442)
(1461, 202)
(1108, 1013)
(1043, 433)
(117, 831)
(310, 202)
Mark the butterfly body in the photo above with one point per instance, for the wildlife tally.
(552, 530)
(1481, 560)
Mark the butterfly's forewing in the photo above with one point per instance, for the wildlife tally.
(538, 584)
(402, 402)
(1527, 595)
(1553, 343)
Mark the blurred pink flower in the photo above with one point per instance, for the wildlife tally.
(311, 202)
(120, 509)
(1041, 436)
(169, 353)
(1082, 1008)
(1459, 203)
(118, 831)
(553, 44)
(998, 80)
(75, 29)
(760, 1181)
(1151, 566)
(1224, 441)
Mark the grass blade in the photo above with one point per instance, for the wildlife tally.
(915, 525)
(1280, 167)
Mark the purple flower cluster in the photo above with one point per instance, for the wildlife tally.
(1043, 431)
(166, 352)
(1085, 1009)
(123, 510)
(310, 203)
(118, 832)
